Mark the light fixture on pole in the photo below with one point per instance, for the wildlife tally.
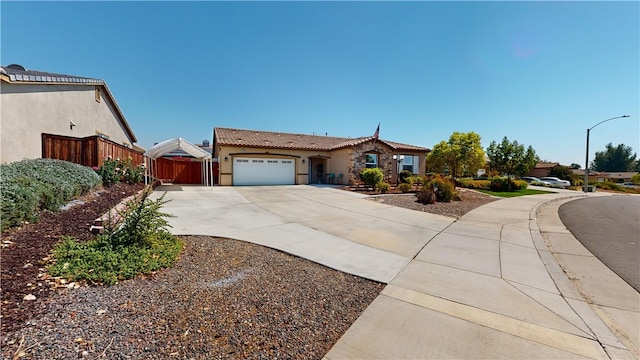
(586, 161)
(398, 159)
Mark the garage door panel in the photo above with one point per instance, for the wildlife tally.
(263, 171)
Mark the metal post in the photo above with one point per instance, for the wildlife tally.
(586, 165)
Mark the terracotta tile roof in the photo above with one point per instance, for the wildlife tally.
(280, 140)
(546, 165)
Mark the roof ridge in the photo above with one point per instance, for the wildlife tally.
(281, 132)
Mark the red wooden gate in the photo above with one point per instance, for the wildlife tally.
(179, 170)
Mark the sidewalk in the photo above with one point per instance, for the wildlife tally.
(489, 286)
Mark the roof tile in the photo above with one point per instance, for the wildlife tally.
(280, 140)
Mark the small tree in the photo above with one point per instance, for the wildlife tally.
(463, 152)
(511, 158)
(562, 172)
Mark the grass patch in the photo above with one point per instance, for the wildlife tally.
(139, 245)
(508, 194)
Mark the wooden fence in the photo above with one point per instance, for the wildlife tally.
(88, 151)
(179, 171)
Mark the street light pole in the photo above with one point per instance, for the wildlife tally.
(586, 161)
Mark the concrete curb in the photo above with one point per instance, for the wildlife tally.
(578, 284)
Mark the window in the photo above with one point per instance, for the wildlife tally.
(410, 163)
(371, 160)
(98, 95)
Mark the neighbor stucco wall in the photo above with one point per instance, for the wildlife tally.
(28, 110)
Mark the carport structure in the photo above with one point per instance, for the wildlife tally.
(179, 171)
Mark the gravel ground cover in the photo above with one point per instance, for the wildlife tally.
(223, 298)
(469, 200)
(24, 252)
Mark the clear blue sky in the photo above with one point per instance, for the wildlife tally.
(540, 73)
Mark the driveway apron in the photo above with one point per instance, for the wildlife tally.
(332, 227)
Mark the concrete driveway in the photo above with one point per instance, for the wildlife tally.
(485, 286)
(333, 227)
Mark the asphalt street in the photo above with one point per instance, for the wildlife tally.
(610, 228)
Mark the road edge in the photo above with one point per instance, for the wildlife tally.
(574, 281)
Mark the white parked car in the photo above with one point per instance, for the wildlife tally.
(555, 182)
(535, 181)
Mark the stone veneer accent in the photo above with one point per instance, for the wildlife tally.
(385, 161)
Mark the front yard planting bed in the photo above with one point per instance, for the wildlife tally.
(224, 299)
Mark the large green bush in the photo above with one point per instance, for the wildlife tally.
(444, 188)
(29, 186)
(502, 184)
(141, 244)
(372, 176)
(470, 183)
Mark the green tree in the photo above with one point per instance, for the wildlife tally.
(561, 172)
(575, 166)
(462, 153)
(511, 158)
(619, 158)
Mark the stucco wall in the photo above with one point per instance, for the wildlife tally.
(347, 161)
(302, 169)
(28, 110)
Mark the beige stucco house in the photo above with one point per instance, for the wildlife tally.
(250, 157)
(36, 102)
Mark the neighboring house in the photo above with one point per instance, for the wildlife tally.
(249, 157)
(602, 176)
(35, 103)
(542, 169)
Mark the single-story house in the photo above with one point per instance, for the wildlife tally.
(250, 157)
(542, 169)
(34, 103)
(602, 176)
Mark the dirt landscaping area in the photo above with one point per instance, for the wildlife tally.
(223, 299)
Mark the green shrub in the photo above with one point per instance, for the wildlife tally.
(383, 187)
(29, 186)
(115, 171)
(140, 245)
(502, 184)
(406, 177)
(636, 179)
(444, 188)
(405, 187)
(609, 185)
(520, 184)
(473, 184)
(426, 195)
(372, 176)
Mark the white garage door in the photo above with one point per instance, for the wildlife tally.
(263, 171)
